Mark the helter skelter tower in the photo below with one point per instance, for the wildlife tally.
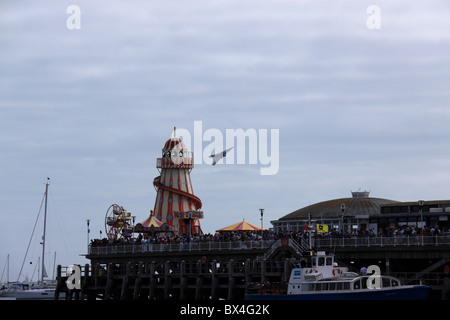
(175, 202)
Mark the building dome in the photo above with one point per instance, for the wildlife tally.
(359, 204)
(174, 143)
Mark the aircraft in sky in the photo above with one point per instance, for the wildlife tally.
(216, 157)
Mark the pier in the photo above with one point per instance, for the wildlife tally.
(221, 270)
(178, 280)
(192, 271)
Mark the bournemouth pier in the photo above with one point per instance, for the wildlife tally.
(169, 257)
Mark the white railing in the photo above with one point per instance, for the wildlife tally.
(326, 242)
(178, 247)
(381, 241)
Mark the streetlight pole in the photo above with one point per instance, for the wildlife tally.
(88, 231)
(309, 231)
(343, 217)
(132, 231)
(421, 203)
(262, 214)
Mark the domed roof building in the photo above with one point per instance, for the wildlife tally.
(339, 214)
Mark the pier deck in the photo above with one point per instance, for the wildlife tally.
(200, 271)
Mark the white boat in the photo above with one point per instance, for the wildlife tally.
(9, 289)
(35, 294)
(324, 280)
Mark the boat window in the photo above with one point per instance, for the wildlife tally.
(329, 261)
(325, 286)
(305, 286)
(311, 287)
(346, 286)
(386, 282)
(332, 285)
(321, 261)
(395, 283)
(314, 262)
(318, 287)
(357, 284)
(339, 285)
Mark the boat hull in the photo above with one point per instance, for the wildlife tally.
(400, 293)
(36, 294)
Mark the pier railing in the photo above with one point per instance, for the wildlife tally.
(325, 242)
(179, 247)
(380, 241)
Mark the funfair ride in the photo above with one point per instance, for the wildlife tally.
(175, 202)
(117, 222)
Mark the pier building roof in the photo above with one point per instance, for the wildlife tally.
(359, 204)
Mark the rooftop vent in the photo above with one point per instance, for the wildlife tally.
(360, 194)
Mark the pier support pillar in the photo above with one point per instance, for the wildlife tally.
(286, 271)
(446, 289)
(263, 270)
(137, 283)
(248, 273)
(109, 281)
(167, 284)
(231, 280)
(152, 283)
(84, 284)
(59, 283)
(125, 280)
(199, 283)
(214, 281)
(183, 280)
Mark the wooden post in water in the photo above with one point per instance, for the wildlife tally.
(183, 280)
(248, 271)
(231, 280)
(84, 284)
(199, 283)
(152, 283)
(214, 281)
(59, 283)
(263, 271)
(137, 283)
(109, 281)
(125, 281)
(286, 271)
(96, 274)
(167, 284)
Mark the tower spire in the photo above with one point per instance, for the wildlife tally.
(174, 132)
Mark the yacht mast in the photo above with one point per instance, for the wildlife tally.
(43, 237)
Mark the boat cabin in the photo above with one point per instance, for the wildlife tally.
(322, 266)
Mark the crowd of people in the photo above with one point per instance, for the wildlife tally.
(164, 238)
(297, 235)
(404, 230)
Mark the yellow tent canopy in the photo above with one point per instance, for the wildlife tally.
(242, 226)
(151, 221)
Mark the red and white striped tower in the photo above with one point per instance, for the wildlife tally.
(175, 202)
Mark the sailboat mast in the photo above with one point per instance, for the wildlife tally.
(45, 223)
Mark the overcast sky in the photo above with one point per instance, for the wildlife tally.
(91, 108)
